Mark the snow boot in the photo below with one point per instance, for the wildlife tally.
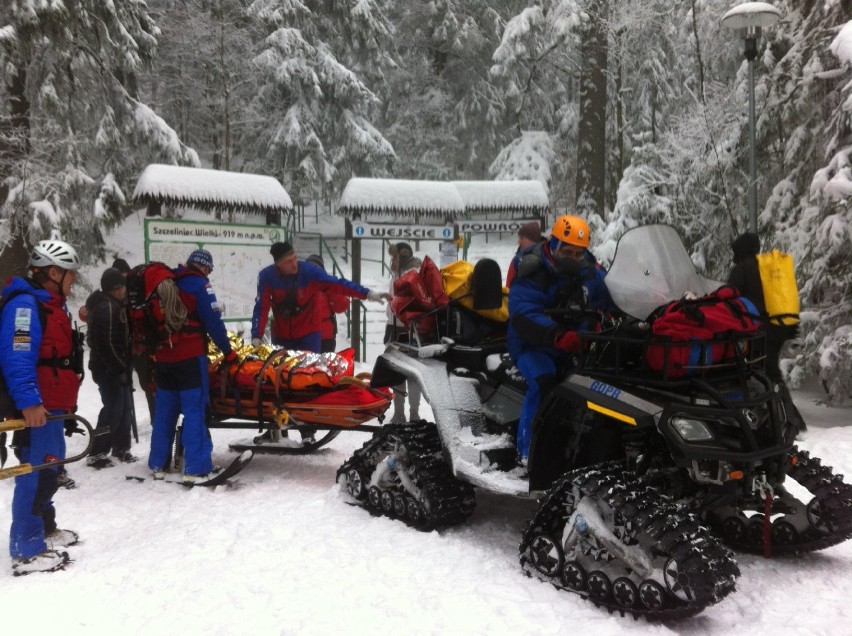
(99, 461)
(63, 480)
(125, 457)
(60, 538)
(158, 475)
(46, 561)
(192, 479)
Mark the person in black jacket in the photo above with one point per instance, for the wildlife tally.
(109, 341)
(745, 276)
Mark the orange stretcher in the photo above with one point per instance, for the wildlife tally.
(280, 390)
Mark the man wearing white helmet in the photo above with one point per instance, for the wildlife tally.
(39, 364)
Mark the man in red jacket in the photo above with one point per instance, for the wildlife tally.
(289, 288)
(330, 303)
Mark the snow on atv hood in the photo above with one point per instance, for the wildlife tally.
(651, 268)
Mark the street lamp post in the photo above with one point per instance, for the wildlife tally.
(750, 17)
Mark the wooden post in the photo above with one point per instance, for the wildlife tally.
(356, 278)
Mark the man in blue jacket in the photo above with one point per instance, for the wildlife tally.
(39, 361)
(559, 273)
(181, 373)
(291, 288)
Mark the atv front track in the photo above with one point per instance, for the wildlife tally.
(637, 554)
(795, 527)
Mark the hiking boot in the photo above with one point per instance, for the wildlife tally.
(64, 481)
(99, 461)
(125, 457)
(60, 538)
(46, 561)
(188, 480)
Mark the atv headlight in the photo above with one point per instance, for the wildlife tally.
(692, 430)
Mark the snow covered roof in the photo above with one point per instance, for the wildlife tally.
(393, 197)
(211, 189)
(439, 199)
(503, 196)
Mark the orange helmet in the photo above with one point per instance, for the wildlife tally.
(572, 230)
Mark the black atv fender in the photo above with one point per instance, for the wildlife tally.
(581, 422)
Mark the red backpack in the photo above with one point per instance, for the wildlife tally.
(148, 320)
(687, 335)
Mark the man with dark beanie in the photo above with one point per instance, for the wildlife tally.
(529, 235)
(289, 288)
(109, 342)
(745, 276)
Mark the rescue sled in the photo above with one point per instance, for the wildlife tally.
(281, 392)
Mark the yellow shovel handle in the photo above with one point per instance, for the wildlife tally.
(16, 471)
(12, 425)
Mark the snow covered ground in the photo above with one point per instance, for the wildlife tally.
(284, 554)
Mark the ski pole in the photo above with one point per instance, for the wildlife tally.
(24, 469)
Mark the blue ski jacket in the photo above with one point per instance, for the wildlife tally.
(538, 286)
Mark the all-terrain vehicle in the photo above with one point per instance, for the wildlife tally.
(643, 476)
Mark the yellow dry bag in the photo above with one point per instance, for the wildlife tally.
(457, 284)
(778, 279)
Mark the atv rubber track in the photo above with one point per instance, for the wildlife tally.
(445, 501)
(829, 513)
(673, 539)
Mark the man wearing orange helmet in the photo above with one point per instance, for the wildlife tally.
(560, 273)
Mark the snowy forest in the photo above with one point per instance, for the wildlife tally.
(628, 112)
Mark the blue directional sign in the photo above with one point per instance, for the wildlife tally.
(400, 231)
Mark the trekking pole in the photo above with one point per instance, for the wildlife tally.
(133, 425)
(24, 469)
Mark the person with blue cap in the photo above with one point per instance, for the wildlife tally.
(181, 372)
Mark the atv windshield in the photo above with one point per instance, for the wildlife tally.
(651, 268)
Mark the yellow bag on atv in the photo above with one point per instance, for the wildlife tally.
(457, 283)
(778, 279)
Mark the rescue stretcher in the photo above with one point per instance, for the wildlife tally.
(279, 392)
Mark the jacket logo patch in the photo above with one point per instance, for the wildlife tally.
(21, 339)
(23, 318)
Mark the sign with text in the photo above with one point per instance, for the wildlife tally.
(239, 253)
(204, 232)
(484, 226)
(398, 231)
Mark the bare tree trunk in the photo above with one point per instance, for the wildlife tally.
(226, 95)
(15, 140)
(591, 134)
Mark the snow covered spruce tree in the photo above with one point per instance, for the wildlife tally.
(444, 114)
(203, 80)
(72, 127)
(813, 218)
(319, 65)
(535, 67)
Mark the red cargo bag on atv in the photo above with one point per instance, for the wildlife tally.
(687, 335)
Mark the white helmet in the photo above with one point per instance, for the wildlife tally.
(58, 253)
